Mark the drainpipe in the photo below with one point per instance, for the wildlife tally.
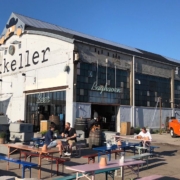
(133, 96)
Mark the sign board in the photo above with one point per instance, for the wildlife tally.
(43, 99)
(95, 87)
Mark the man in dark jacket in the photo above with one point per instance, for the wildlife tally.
(50, 142)
(70, 135)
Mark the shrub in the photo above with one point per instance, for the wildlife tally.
(137, 130)
(2, 134)
(43, 132)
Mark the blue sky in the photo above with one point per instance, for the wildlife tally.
(151, 25)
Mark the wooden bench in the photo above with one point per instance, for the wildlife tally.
(152, 177)
(109, 171)
(140, 156)
(150, 149)
(25, 165)
(57, 159)
(91, 157)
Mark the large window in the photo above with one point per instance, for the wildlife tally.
(88, 74)
(152, 87)
(177, 94)
(42, 105)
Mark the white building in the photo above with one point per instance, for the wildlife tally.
(49, 70)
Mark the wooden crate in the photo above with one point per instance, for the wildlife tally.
(44, 126)
(125, 128)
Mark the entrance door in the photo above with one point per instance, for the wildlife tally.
(107, 116)
(44, 112)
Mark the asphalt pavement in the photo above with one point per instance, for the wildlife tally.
(165, 162)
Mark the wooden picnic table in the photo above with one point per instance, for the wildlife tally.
(130, 138)
(19, 147)
(104, 149)
(89, 169)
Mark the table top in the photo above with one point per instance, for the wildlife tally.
(110, 164)
(105, 148)
(32, 148)
(130, 138)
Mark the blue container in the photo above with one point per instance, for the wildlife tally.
(61, 117)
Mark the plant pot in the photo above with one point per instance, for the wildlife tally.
(2, 140)
(132, 131)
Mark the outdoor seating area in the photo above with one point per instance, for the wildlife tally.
(33, 157)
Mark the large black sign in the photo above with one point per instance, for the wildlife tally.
(14, 64)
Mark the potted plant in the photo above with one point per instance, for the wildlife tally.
(2, 137)
(132, 131)
(43, 133)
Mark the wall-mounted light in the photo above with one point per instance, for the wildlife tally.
(76, 57)
(6, 82)
(66, 68)
(23, 74)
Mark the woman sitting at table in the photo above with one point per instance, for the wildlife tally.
(145, 136)
(50, 142)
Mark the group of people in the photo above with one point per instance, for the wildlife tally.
(69, 134)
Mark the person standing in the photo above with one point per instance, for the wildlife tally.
(70, 135)
(95, 115)
(50, 142)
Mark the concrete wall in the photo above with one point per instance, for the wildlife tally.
(147, 117)
(40, 57)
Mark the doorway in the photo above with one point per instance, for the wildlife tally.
(107, 115)
(44, 112)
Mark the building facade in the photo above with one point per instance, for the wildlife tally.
(49, 70)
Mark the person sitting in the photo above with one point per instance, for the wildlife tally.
(50, 142)
(145, 136)
(70, 135)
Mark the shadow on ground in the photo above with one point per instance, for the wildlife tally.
(7, 173)
(163, 178)
(166, 153)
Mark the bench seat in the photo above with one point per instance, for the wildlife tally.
(91, 157)
(109, 171)
(150, 149)
(57, 159)
(24, 164)
(140, 156)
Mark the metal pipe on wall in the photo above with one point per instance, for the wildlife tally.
(133, 104)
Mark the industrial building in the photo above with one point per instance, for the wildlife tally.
(49, 70)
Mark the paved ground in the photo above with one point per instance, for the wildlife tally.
(166, 162)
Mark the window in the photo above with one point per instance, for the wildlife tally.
(150, 88)
(90, 74)
(88, 77)
(148, 103)
(148, 94)
(81, 92)
(37, 109)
